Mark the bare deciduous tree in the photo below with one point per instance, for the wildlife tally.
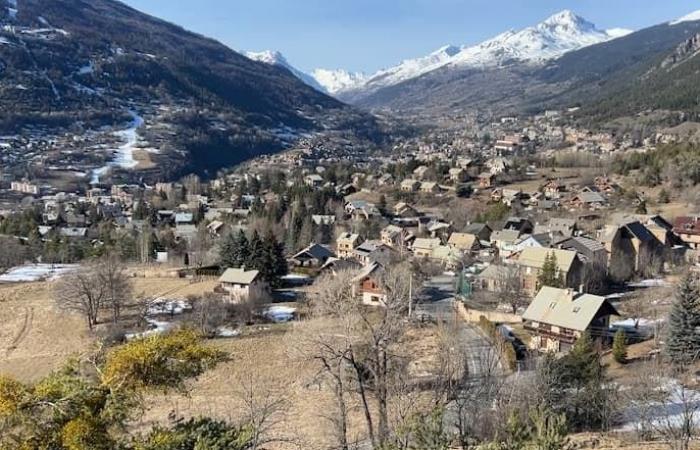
(265, 408)
(98, 285)
(83, 292)
(509, 288)
(361, 354)
(209, 313)
(118, 291)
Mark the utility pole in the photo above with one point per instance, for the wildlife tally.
(410, 295)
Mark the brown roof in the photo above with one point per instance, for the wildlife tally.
(687, 225)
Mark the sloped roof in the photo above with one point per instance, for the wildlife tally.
(462, 240)
(239, 276)
(426, 243)
(476, 228)
(446, 254)
(535, 257)
(583, 244)
(368, 270)
(392, 229)
(348, 236)
(505, 236)
(316, 251)
(640, 232)
(497, 271)
(564, 308)
(590, 197)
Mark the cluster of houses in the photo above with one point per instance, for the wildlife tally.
(77, 216)
(627, 246)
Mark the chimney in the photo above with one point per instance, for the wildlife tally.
(570, 294)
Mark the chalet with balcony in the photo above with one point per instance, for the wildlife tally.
(368, 285)
(558, 317)
(347, 243)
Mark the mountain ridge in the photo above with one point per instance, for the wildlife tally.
(558, 34)
(81, 65)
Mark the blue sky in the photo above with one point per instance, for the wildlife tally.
(367, 35)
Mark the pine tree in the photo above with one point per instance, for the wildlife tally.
(549, 431)
(576, 386)
(549, 274)
(683, 341)
(243, 250)
(280, 259)
(256, 257)
(619, 350)
(267, 262)
(229, 251)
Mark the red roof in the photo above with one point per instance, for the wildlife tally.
(687, 225)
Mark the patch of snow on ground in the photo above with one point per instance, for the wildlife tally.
(295, 276)
(668, 412)
(86, 69)
(12, 9)
(36, 272)
(124, 156)
(226, 332)
(4, 41)
(168, 306)
(155, 327)
(44, 31)
(657, 282)
(280, 314)
(84, 89)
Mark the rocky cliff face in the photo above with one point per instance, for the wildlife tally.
(686, 50)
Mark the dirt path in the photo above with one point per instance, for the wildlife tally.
(24, 330)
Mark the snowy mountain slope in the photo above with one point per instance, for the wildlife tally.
(337, 81)
(692, 17)
(412, 68)
(557, 35)
(275, 58)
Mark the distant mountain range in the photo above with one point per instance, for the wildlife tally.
(557, 35)
(563, 61)
(81, 65)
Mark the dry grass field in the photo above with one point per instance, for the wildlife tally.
(37, 338)
(273, 365)
(265, 365)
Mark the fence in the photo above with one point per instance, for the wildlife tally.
(473, 315)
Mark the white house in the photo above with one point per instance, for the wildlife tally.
(241, 284)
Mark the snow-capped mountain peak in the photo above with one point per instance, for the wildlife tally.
(561, 33)
(268, 57)
(275, 58)
(335, 81)
(567, 19)
(558, 34)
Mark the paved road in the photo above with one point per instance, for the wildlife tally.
(437, 302)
